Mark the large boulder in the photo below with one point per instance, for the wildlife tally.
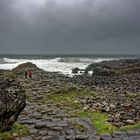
(75, 70)
(12, 102)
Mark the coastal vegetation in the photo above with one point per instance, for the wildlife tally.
(7, 74)
(17, 130)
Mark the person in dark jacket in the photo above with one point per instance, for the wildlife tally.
(26, 73)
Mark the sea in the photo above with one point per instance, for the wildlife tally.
(59, 63)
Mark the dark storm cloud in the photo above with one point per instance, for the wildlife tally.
(78, 26)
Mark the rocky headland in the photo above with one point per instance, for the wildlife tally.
(101, 106)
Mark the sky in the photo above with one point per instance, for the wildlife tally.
(70, 27)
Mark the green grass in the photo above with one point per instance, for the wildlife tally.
(17, 130)
(70, 99)
(133, 95)
(128, 127)
(99, 121)
(65, 99)
(8, 74)
(68, 96)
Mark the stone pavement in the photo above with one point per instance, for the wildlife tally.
(52, 122)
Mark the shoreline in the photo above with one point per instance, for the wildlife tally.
(65, 65)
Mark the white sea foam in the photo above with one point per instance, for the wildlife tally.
(63, 65)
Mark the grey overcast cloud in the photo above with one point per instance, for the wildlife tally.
(70, 26)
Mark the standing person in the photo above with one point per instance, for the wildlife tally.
(26, 73)
(30, 74)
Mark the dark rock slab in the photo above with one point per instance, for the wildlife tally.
(12, 102)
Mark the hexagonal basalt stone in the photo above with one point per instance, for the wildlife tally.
(106, 137)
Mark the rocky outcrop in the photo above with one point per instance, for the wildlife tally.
(75, 70)
(117, 76)
(115, 67)
(12, 102)
(20, 69)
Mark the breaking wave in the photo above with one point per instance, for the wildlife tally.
(59, 64)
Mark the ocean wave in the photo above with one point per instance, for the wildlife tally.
(58, 64)
(69, 60)
(59, 59)
(82, 60)
(103, 59)
(8, 60)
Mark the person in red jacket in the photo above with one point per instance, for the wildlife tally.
(30, 74)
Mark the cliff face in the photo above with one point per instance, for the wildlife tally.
(12, 102)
